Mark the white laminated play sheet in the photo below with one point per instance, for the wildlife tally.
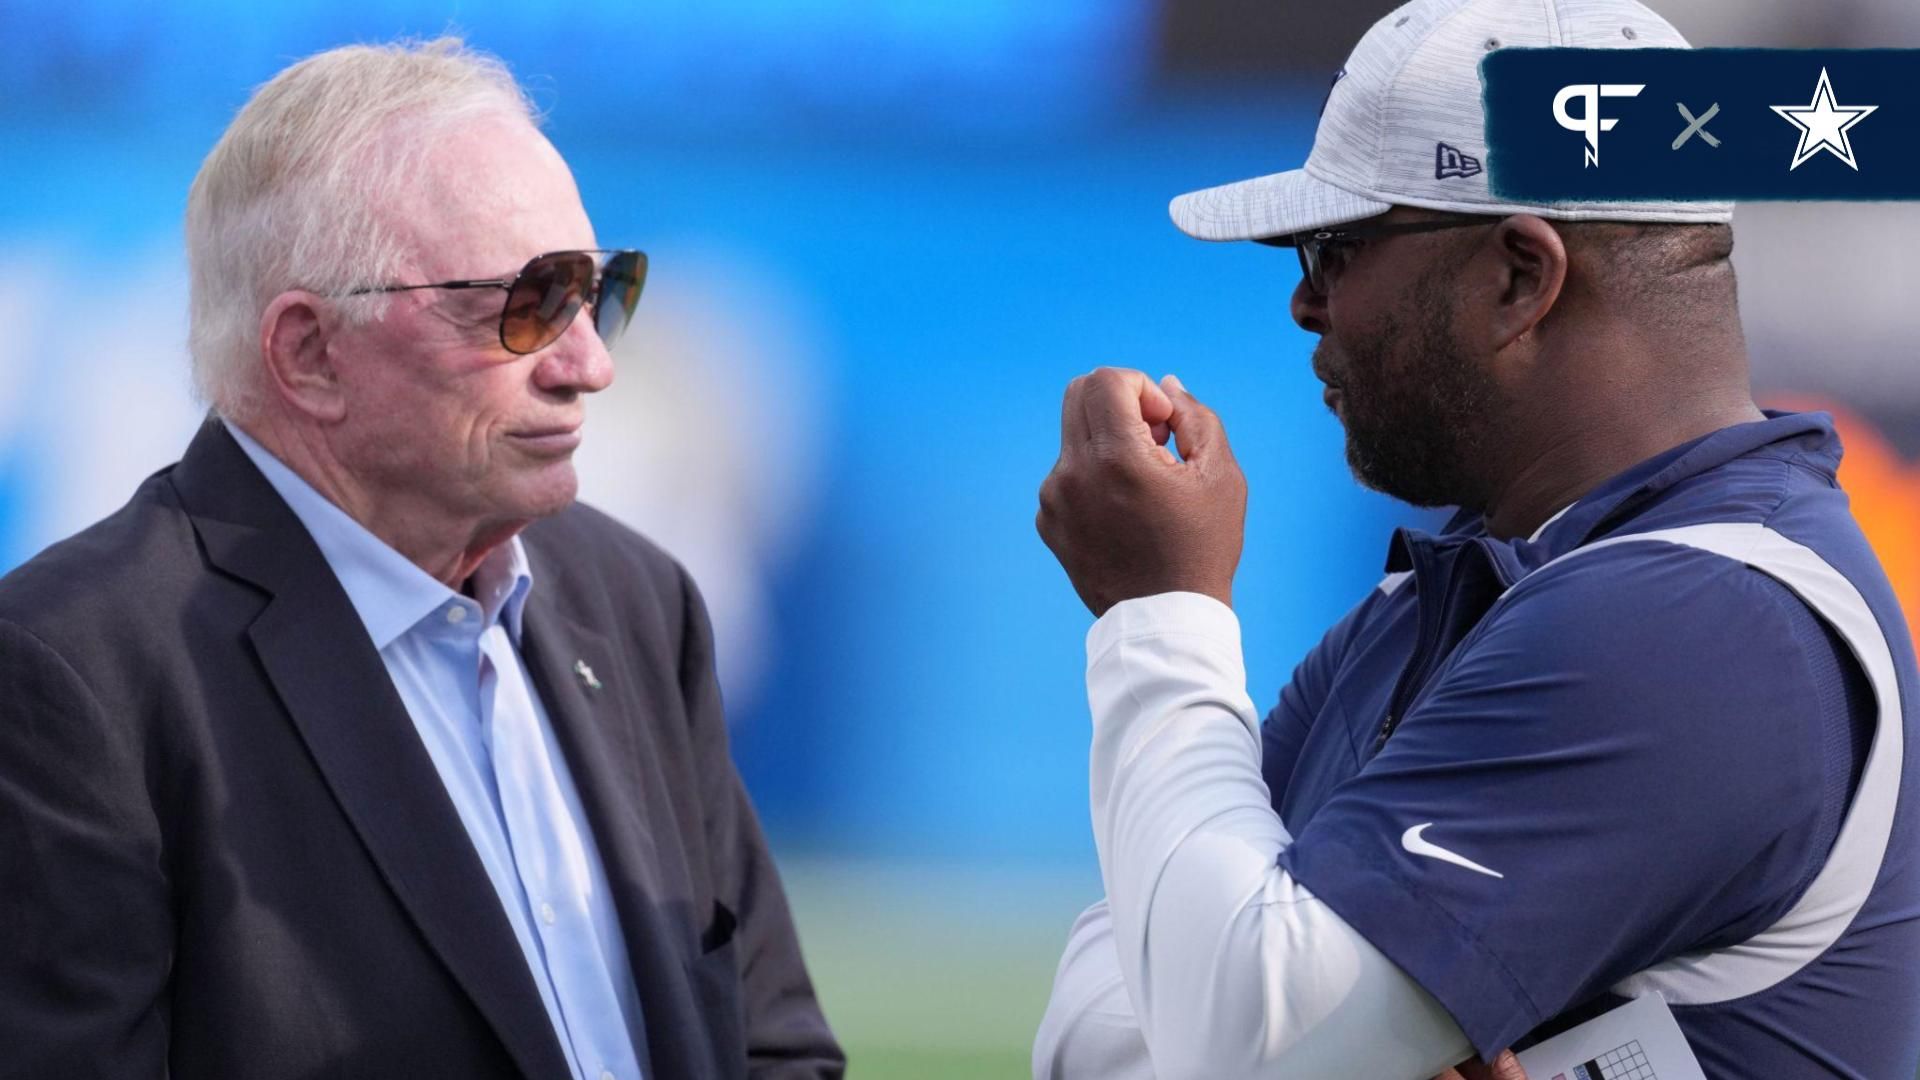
(1637, 1041)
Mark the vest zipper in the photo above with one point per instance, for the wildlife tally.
(1415, 675)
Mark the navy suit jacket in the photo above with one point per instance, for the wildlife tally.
(227, 854)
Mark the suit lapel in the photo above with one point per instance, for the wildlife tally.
(335, 687)
(616, 769)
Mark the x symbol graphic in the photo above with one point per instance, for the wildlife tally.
(1696, 126)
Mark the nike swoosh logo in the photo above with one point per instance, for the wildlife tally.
(1413, 842)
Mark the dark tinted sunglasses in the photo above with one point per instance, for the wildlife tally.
(1323, 253)
(550, 290)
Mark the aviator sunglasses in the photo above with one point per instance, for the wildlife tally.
(550, 290)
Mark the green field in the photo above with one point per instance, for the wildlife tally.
(931, 972)
(934, 972)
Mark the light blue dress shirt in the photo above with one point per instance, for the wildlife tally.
(456, 664)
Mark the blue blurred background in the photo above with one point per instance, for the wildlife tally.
(884, 235)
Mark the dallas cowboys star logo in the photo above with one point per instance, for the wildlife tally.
(1823, 125)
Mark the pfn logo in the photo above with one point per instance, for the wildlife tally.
(1589, 121)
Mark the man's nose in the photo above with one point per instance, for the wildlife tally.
(1309, 308)
(577, 361)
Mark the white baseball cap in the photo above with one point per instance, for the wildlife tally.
(1403, 123)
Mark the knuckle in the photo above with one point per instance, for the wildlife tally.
(1106, 447)
(1057, 491)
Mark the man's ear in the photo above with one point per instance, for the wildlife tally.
(295, 331)
(1532, 269)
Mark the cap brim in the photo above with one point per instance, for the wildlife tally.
(1269, 206)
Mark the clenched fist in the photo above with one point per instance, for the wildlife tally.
(1125, 517)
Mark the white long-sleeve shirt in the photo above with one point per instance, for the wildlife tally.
(1207, 959)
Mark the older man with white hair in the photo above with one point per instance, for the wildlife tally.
(352, 745)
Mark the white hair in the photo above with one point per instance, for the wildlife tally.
(289, 197)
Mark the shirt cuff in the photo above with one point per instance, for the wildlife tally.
(1164, 613)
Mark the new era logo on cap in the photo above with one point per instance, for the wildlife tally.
(1337, 76)
(1448, 162)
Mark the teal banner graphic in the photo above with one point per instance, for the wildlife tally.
(1709, 124)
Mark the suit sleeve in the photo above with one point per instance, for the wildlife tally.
(85, 922)
(787, 1034)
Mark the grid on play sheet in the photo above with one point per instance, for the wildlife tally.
(1627, 1062)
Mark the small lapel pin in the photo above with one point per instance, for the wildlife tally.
(581, 669)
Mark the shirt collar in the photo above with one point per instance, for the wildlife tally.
(1547, 524)
(1809, 437)
(501, 584)
(389, 592)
